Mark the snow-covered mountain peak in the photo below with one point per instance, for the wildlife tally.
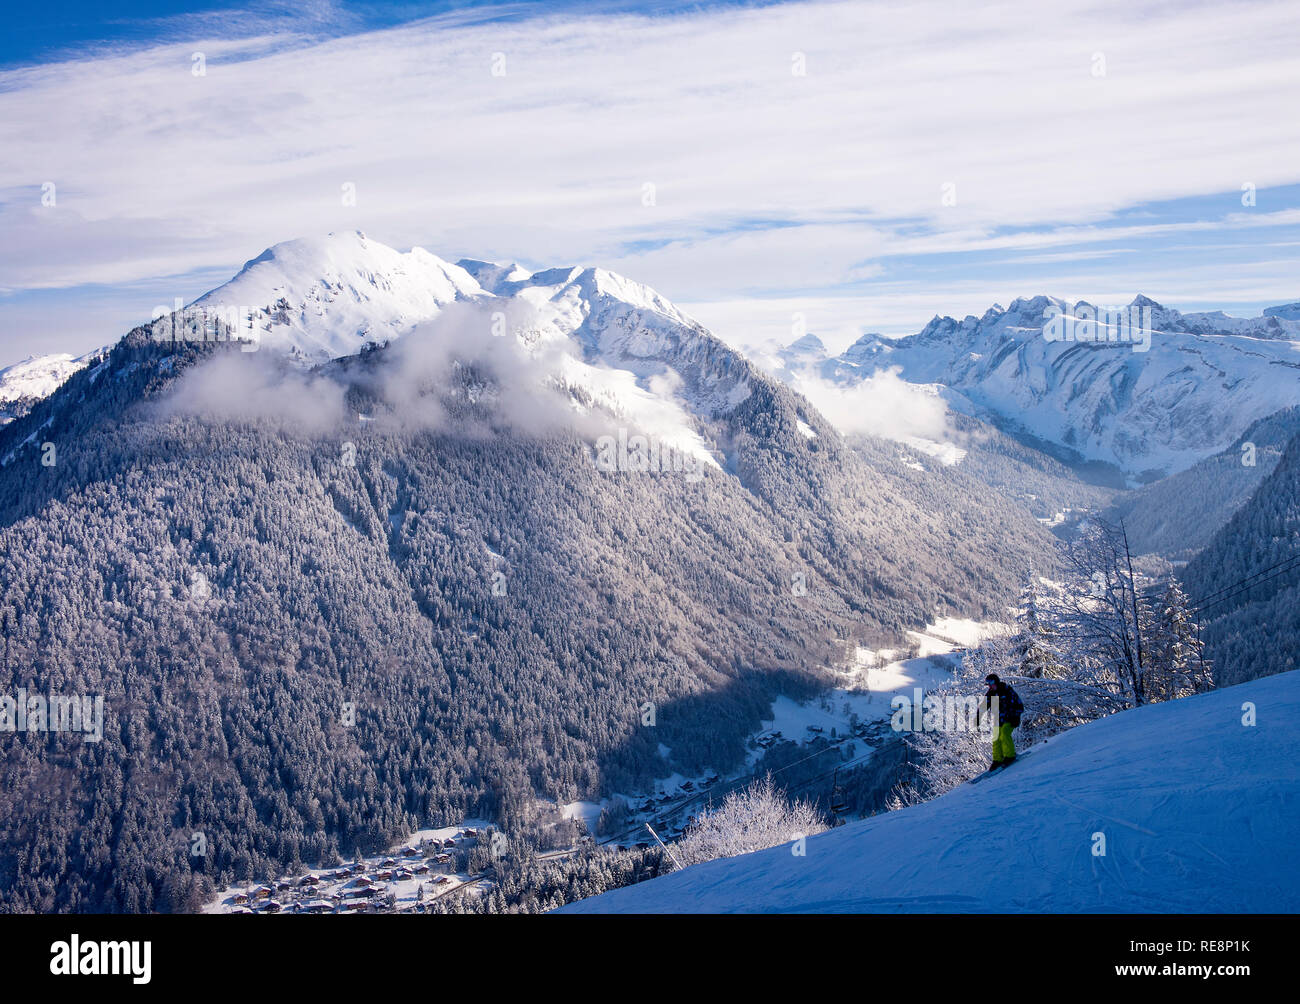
(35, 378)
(801, 353)
(493, 276)
(615, 344)
(1285, 311)
(623, 325)
(320, 298)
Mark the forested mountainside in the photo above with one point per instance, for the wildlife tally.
(1023, 474)
(1253, 629)
(490, 609)
(1178, 515)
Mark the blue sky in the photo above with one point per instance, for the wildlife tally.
(35, 33)
(861, 166)
(39, 32)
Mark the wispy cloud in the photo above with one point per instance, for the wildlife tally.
(766, 183)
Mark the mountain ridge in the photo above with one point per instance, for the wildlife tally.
(1150, 401)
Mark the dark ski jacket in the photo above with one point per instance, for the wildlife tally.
(1010, 707)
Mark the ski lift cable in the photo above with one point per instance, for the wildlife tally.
(1248, 588)
(1217, 597)
(1205, 599)
(1155, 588)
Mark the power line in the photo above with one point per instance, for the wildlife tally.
(1233, 586)
(1294, 563)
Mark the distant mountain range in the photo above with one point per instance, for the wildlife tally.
(1144, 411)
(1184, 391)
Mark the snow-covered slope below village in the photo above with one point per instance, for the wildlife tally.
(1199, 813)
(1204, 379)
(34, 379)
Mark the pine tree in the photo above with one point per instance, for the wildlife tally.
(1032, 645)
(1177, 664)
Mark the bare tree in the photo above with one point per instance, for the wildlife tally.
(1103, 614)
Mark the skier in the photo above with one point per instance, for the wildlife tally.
(1010, 708)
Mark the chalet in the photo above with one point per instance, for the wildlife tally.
(388, 862)
(449, 842)
(272, 906)
(239, 898)
(363, 882)
(263, 892)
(318, 906)
(403, 873)
(816, 729)
(384, 874)
(421, 869)
(472, 833)
(409, 851)
(241, 909)
(688, 786)
(444, 880)
(308, 880)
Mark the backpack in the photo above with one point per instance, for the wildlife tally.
(1015, 707)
